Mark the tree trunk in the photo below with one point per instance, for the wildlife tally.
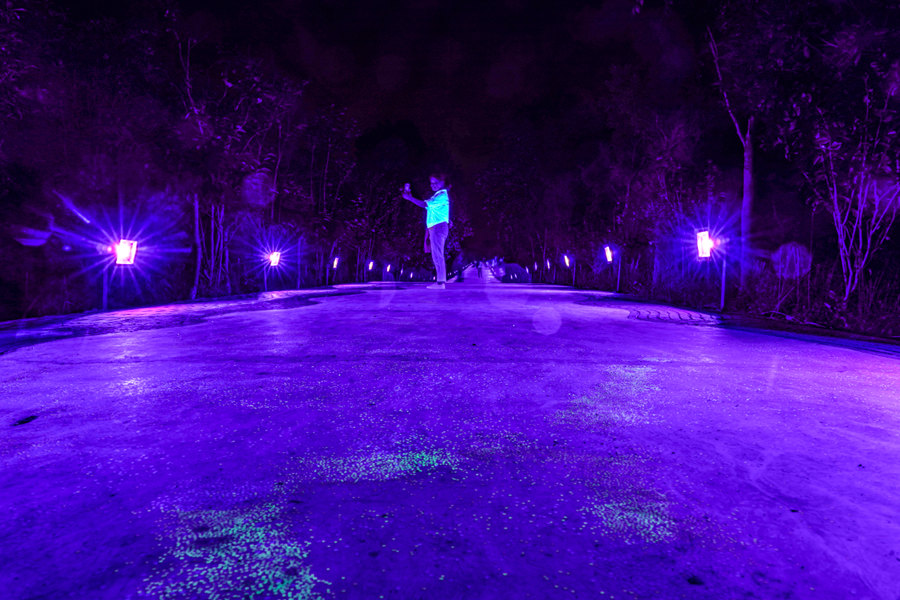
(312, 187)
(121, 196)
(275, 175)
(215, 232)
(747, 206)
(747, 142)
(325, 180)
(198, 244)
(222, 271)
(299, 247)
(544, 268)
(227, 274)
(654, 285)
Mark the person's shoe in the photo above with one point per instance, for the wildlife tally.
(436, 286)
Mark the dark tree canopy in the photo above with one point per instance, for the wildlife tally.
(218, 131)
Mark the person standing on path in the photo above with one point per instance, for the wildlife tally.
(437, 222)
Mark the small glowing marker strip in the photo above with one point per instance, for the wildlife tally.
(125, 251)
(566, 257)
(389, 269)
(704, 244)
(334, 266)
(548, 263)
(371, 264)
(274, 259)
(608, 253)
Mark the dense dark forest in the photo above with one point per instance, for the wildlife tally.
(215, 133)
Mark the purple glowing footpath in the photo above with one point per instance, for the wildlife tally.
(498, 441)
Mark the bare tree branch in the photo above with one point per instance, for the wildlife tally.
(715, 54)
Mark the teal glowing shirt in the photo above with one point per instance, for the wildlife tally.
(438, 209)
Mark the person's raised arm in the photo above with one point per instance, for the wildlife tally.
(407, 193)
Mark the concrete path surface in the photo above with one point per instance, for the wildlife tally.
(486, 441)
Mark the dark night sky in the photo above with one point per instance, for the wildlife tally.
(456, 70)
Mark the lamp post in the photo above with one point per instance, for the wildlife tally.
(274, 259)
(705, 245)
(125, 251)
(334, 266)
(609, 259)
(570, 265)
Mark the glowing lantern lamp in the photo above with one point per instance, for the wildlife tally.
(125, 251)
(608, 251)
(274, 259)
(704, 244)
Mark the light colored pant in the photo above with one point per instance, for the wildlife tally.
(437, 236)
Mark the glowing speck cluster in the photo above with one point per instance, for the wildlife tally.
(229, 553)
